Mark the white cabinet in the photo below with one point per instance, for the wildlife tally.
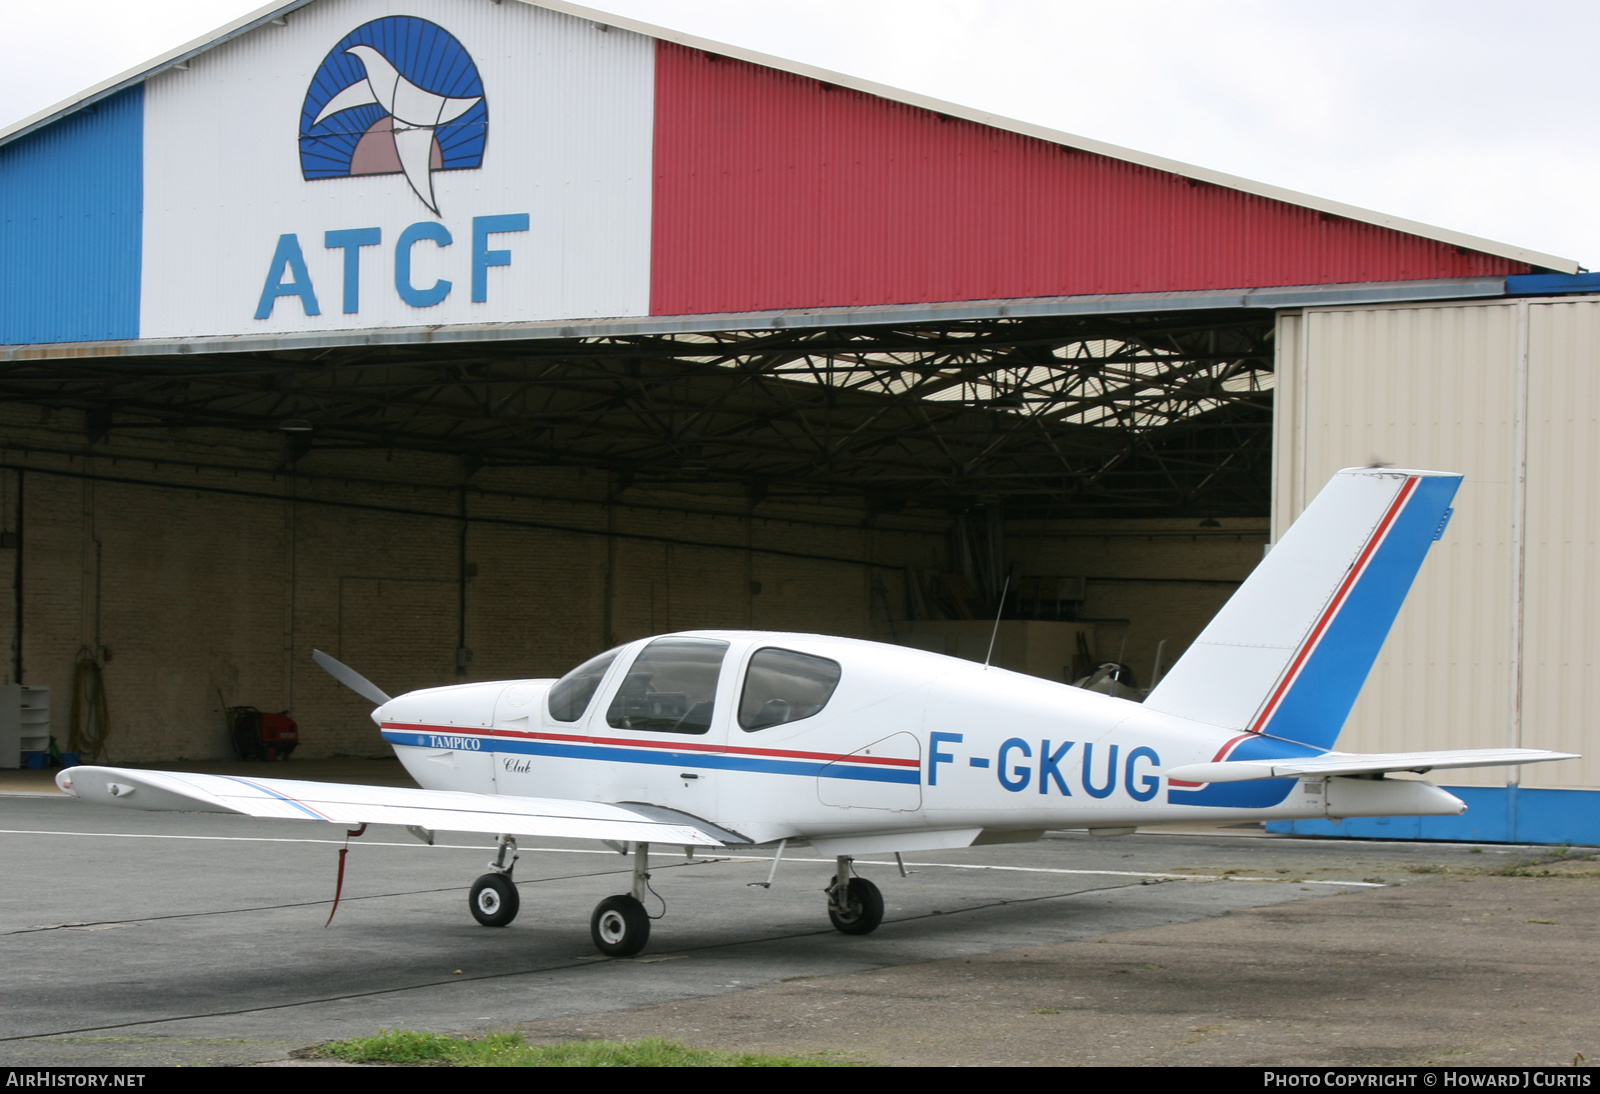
(24, 722)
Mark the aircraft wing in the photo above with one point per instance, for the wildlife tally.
(1353, 763)
(344, 804)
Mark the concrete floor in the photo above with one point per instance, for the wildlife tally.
(1456, 972)
(134, 938)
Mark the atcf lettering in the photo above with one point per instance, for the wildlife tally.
(288, 274)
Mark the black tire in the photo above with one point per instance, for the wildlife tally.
(619, 926)
(493, 900)
(863, 909)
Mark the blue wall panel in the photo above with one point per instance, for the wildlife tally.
(1495, 814)
(71, 216)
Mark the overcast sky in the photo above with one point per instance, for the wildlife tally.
(1467, 114)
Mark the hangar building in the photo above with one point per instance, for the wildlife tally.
(463, 339)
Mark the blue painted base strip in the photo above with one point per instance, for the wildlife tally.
(1495, 814)
(1549, 284)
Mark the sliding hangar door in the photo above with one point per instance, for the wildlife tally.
(1497, 643)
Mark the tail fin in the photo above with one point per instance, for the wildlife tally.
(1289, 651)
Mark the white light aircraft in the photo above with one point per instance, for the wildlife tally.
(739, 740)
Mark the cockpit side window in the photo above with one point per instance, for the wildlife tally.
(785, 686)
(671, 687)
(570, 695)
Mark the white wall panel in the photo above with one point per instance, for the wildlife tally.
(570, 112)
(1499, 642)
(1426, 387)
(1561, 589)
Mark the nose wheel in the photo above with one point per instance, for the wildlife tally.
(854, 904)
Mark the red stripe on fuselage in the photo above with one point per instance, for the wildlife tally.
(670, 746)
(1335, 604)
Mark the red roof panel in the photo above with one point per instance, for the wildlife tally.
(776, 191)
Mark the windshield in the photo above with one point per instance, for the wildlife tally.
(570, 695)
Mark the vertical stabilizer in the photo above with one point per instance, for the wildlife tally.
(1289, 651)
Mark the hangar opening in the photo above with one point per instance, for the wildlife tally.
(866, 480)
(694, 338)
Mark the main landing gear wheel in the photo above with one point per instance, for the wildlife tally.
(619, 926)
(860, 911)
(494, 900)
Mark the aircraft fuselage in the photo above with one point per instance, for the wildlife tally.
(908, 742)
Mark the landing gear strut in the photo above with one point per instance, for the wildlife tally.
(854, 904)
(620, 927)
(493, 899)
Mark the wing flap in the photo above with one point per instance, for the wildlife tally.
(342, 803)
(1351, 763)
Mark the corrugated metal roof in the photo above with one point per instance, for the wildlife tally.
(778, 191)
(273, 12)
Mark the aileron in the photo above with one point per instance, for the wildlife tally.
(341, 803)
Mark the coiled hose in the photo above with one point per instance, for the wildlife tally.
(91, 719)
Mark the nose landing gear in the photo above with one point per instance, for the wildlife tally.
(854, 904)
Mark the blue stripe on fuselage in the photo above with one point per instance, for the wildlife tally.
(828, 769)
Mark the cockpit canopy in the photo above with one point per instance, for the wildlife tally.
(671, 687)
(570, 696)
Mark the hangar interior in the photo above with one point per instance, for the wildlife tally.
(486, 511)
(772, 348)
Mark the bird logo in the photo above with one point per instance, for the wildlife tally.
(397, 96)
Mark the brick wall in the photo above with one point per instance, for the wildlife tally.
(203, 574)
(1165, 578)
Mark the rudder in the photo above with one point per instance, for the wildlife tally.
(1289, 651)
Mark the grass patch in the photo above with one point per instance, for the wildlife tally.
(1558, 862)
(394, 1046)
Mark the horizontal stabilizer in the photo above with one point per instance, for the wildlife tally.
(344, 804)
(1351, 763)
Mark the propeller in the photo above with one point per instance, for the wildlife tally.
(349, 677)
